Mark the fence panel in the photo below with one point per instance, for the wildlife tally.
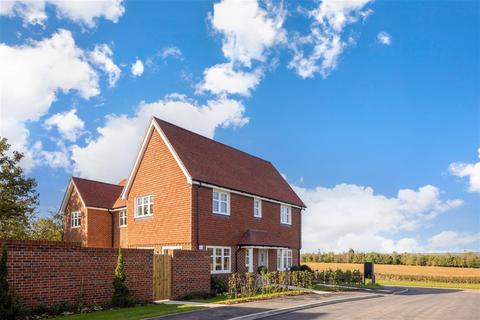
(162, 276)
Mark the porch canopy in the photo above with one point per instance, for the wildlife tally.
(253, 238)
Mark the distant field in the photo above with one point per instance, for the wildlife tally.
(441, 277)
(401, 270)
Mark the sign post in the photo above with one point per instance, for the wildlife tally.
(368, 272)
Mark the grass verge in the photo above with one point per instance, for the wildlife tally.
(431, 284)
(133, 313)
(224, 299)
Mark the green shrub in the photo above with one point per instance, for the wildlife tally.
(121, 295)
(305, 267)
(262, 269)
(295, 268)
(218, 285)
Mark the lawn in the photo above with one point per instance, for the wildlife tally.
(224, 299)
(134, 313)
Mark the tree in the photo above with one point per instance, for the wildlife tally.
(10, 306)
(121, 295)
(18, 197)
(50, 228)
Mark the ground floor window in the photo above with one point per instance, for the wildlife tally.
(220, 259)
(284, 259)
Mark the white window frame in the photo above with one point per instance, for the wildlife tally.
(148, 205)
(214, 256)
(265, 251)
(75, 219)
(220, 202)
(249, 259)
(122, 218)
(284, 259)
(286, 215)
(257, 208)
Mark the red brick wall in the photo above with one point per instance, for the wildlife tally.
(54, 272)
(75, 234)
(159, 175)
(190, 272)
(99, 228)
(228, 230)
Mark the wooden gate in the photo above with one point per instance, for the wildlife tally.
(162, 276)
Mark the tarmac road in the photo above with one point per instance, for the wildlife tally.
(417, 303)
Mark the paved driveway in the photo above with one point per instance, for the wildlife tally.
(417, 303)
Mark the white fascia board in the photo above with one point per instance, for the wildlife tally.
(264, 247)
(245, 194)
(66, 196)
(153, 125)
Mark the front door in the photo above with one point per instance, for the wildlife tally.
(263, 257)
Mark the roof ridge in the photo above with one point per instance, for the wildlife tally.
(111, 184)
(213, 140)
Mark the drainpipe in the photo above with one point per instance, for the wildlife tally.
(197, 216)
(113, 227)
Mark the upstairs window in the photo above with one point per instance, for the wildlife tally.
(123, 218)
(75, 219)
(285, 215)
(143, 206)
(257, 208)
(221, 202)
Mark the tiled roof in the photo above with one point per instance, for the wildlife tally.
(99, 194)
(254, 237)
(209, 161)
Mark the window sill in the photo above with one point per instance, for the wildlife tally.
(220, 272)
(75, 227)
(286, 224)
(123, 226)
(221, 214)
(260, 217)
(143, 218)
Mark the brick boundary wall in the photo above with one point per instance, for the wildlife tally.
(51, 272)
(190, 273)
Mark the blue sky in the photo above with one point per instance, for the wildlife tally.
(370, 109)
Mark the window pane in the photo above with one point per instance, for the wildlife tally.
(151, 209)
(210, 251)
(218, 252)
(215, 195)
(215, 206)
(226, 263)
(218, 264)
(223, 196)
(223, 206)
(151, 199)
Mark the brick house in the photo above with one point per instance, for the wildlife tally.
(188, 192)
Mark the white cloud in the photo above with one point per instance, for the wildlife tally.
(222, 78)
(53, 159)
(171, 52)
(137, 68)
(350, 216)
(31, 77)
(248, 30)
(384, 38)
(101, 56)
(330, 18)
(470, 170)
(68, 124)
(80, 11)
(122, 132)
(453, 241)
